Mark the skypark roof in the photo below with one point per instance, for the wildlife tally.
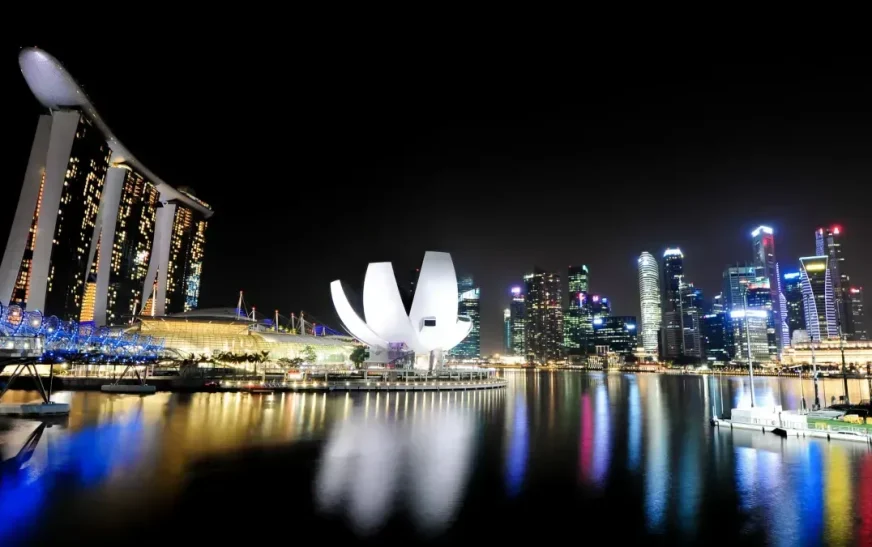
(56, 89)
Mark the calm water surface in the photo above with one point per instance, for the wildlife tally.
(562, 456)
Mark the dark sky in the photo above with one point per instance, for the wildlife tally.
(321, 158)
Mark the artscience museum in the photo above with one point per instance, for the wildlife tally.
(431, 326)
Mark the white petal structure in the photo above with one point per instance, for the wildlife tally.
(433, 324)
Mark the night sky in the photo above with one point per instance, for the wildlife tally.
(320, 160)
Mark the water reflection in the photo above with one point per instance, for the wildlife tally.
(657, 473)
(371, 469)
(383, 464)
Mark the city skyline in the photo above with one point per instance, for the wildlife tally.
(446, 153)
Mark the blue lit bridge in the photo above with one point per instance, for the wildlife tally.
(28, 338)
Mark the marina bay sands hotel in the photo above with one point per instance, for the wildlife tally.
(96, 236)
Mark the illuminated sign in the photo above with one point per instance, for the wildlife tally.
(855, 290)
(815, 267)
(631, 327)
(837, 230)
(516, 290)
(764, 229)
(596, 298)
(791, 275)
(673, 252)
(598, 321)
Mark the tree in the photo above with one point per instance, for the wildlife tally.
(359, 356)
(309, 355)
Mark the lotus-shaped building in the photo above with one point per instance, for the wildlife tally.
(431, 327)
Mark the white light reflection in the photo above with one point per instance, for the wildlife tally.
(634, 424)
(370, 469)
(657, 473)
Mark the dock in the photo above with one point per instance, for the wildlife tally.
(34, 409)
(792, 424)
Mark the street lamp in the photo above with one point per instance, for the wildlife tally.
(748, 338)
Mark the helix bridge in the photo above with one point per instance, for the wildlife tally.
(29, 338)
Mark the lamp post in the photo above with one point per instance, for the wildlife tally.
(748, 338)
(817, 400)
(844, 367)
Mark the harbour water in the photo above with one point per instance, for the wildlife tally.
(555, 456)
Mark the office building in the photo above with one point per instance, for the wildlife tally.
(649, 299)
(759, 297)
(577, 328)
(718, 305)
(828, 242)
(518, 322)
(507, 331)
(579, 285)
(544, 332)
(821, 319)
(618, 333)
(692, 310)
(763, 239)
(93, 229)
(792, 287)
(857, 315)
(717, 335)
(468, 304)
(751, 329)
(673, 279)
(735, 280)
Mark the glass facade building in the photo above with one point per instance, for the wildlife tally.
(618, 333)
(717, 334)
(692, 310)
(649, 298)
(518, 320)
(792, 287)
(763, 239)
(857, 315)
(544, 316)
(507, 331)
(735, 280)
(673, 279)
(819, 297)
(577, 328)
(468, 304)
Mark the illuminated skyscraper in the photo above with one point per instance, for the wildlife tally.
(717, 334)
(718, 304)
(792, 287)
(857, 315)
(577, 329)
(469, 298)
(751, 326)
(616, 332)
(692, 307)
(518, 322)
(828, 242)
(735, 280)
(673, 279)
(544, 333)
(759, 297)
(649, 296)
(764, 258)
(507, 331)
(85, 227)
(820, 304)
